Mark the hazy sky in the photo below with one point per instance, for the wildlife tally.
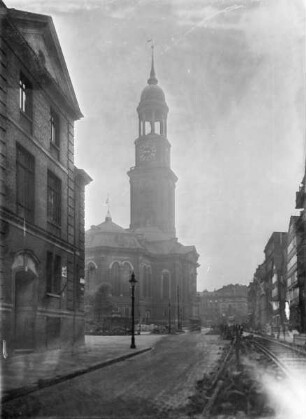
(233, 76)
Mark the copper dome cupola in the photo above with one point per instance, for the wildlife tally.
(152, 109)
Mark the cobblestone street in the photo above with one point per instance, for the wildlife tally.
(155, 384)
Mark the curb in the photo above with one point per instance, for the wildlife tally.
(48, 382)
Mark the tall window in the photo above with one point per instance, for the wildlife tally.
(54, 198)
(25, 95)
(53, 273)
(115, 278)
(126, 276)
(166, 285)
(25, 183)
(55, 128)
(147, 281)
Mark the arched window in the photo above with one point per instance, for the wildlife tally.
(149, 282)
(115, 278)
(147, 275)
(147, 317)
(126, 276)
(165, 285)
(91, 276)
(144, 280)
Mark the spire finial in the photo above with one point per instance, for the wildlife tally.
(152, 79)
(108, 214)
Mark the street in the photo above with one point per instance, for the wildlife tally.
(155, 384)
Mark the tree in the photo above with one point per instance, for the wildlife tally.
(103, 304)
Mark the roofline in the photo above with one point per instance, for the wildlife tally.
(274, 235)
(24, 15)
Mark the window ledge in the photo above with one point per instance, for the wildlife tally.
(54, 224)
(50, 294)
(54, 145)
(28, 117)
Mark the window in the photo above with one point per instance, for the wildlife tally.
(126, 276)
(25, 183)
(166, 285)
(147, 281)
(115, 278)
(55, 128)
(25, 95)
(53, 273)
(91, 276)
(54, 199)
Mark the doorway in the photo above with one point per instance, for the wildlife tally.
(24, 310)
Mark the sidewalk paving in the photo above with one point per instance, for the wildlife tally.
(294, 339)
(22, 374)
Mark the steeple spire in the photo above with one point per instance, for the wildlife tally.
(108, 215)
(152, 79)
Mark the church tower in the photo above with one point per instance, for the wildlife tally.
(152, 182)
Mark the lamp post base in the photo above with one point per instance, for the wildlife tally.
(133, 346)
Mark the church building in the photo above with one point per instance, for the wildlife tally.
(165, 270)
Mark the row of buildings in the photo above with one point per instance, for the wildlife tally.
(276, 295)
(228, 304)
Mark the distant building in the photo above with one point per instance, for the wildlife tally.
(229, 304)
(301, 252)
(41, 190)
(293, 291)
(267, 292)
(276, 271)
(258, 303)
(166, 270)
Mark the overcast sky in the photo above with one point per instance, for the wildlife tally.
(233, 76)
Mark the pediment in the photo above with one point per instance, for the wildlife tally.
(40, 34)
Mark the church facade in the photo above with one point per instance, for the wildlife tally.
(165, 270)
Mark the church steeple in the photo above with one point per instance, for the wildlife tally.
(152, 180)
(152, 79)
(108, 214)
(152, 109)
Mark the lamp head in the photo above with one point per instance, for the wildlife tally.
(132, 280)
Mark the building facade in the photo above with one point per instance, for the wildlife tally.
(301, 253)
(166, 270)
(227, 305)
(276, 270)
(267, 293)
(41, 190)
(293, 291)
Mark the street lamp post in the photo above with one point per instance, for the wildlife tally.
(133, 281)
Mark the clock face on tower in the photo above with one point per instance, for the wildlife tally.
(147, 152)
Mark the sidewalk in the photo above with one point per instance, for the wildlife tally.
(22, 374)
(297, 340)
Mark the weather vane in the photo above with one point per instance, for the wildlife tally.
(151, 41)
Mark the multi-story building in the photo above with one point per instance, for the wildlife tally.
(292, 295)
(275, 278)
(41, 190)
(267, 291)
(301, 253)
(228, 304)
(165, 269)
